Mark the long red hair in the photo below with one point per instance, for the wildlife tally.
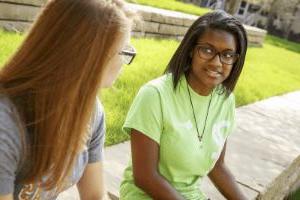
(54, 77)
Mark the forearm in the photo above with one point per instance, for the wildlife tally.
(158, 188)
(225, 183)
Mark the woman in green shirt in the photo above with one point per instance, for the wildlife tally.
(179, 122)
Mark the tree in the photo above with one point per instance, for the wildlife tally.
(285, 12)
(232, 6)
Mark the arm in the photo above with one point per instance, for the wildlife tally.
(6, 197)
(224, 180)
(145, 156)
(90, 186)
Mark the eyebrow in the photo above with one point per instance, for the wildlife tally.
(201, 43)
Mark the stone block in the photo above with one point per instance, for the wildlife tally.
(172, 30)
(15, 12)
(188, 22)
(155, 17)
(28, 2)
(161, 36)
(14, 26)
(174, 21)
(146, 16)
(146, 26)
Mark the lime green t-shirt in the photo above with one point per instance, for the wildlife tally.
(165, 115)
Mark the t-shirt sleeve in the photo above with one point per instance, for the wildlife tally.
(10, 150)
(145, 114)
(96, 144)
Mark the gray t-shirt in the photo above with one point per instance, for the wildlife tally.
(11, 147)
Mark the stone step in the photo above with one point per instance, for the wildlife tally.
(262, 153)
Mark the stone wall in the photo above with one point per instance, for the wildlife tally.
(170, 24)
(286, 182)
(17, 15)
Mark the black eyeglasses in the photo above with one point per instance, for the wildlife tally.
(128, 54)
(207, 52)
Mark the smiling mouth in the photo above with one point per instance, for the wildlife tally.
(213, 74)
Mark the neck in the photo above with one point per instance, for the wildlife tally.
(198, 86)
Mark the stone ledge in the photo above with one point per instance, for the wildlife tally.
(176, 24)
(162, 15)
(37, 3)
(14, 26)
(156, 22)
(282, 185)
(17, 12)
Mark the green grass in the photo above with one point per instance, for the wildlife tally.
(294, 195)
(173, 5)
(271, 70)
(268, 71)
(8, 43)
(153, 56)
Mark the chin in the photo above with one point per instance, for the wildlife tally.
(213, 83)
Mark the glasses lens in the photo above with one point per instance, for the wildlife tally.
(206, 52)
(128, 54)
(127, 59)
(228, 57)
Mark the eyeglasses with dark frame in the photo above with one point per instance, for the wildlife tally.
(208, 52)
(128, 54)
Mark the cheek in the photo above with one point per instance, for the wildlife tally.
(227, 71)
(197, 64)
(115, 65)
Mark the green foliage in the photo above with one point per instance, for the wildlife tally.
(173, 5)
(8, 43)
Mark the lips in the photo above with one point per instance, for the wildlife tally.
(212, 74)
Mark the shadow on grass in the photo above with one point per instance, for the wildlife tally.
(282, 43)
(294, 195)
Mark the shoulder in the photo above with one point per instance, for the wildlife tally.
(98, 116)
(10, 134)
(223, 98)
(159, 85)
(6, 105)
(9, 118)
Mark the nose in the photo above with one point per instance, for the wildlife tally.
(216, 60)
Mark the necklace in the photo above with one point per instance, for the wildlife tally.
(195, 120)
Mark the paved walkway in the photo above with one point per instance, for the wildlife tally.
(263, 152)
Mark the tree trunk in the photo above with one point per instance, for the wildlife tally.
(232, 6)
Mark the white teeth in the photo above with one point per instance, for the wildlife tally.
(213, 73)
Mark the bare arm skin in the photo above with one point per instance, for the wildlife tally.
(90, 186)
(145, 157)
(224, 180)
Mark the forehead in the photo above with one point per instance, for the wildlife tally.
(220, 39)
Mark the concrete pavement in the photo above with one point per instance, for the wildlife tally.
(263, 153)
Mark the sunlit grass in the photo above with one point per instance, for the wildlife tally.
(271, 70)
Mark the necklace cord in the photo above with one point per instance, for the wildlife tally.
(194, 115)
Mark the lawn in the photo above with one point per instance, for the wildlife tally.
(173, 5)
(271, 70)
